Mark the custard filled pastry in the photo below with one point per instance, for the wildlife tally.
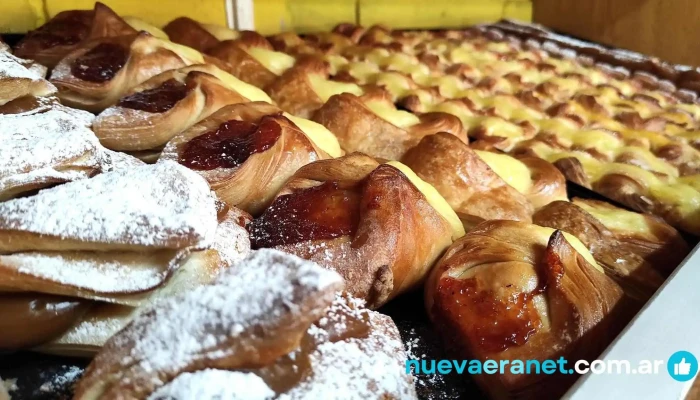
(44, 146)
(248, 151)
(305, 87)
(99, 72)
(466, 181)
(198, 36)
(63, 33)
(638, 251)
(510, 290)
(379, 225)
(119, 238)
(272, 327)
(152, 113)
(16, 80)
(371, 124)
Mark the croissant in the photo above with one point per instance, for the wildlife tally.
(99, 72)
(168, 104)
(305, 87)
(510, 290)
(143, 224)
(45, 145)
(638, 251)
(247, 151)
(468, 184)
(379, 225)
(16, 80)
(272, 327)
(64, 33)
(371, 124)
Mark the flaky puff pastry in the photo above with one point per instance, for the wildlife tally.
(638, 251)
(152, 113)
(273, 327)
(99, 72)
(371, 124)
(468, 184)
(305, 87)
(247, 151)
(368, 221)
(511, 290)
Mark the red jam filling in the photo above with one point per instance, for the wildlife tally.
(230, 145)
(101, 63)
(489, 324)
(157, 100)
(322, 212)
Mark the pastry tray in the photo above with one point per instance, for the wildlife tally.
(667, 323)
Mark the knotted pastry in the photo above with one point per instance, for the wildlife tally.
(379, 225)
(305, 87)
(99, 72)
(118, 238)
(16, 80)
(43, 146)
(64, 33)
(510, 290)
(248, 151)
(468, 184)
(273, 327)
(371, 124)
(168, 104)
(638, 251)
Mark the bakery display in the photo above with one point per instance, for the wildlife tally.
(378, 225)
(269, 348)
(510, 290)
(297, 181)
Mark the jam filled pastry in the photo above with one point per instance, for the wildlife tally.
(467, 182)
(371, 124)
(44, 146)
(253, 59)
(99, 72)
(16, 80)
(248, 151)
(305, 87)
(63, 33)
(150, 115)
(638, 251)
(379, 225)
(510, 290)
(120, 237)
(272, 327)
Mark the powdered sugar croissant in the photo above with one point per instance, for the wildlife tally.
(247, 151)
(378, 225)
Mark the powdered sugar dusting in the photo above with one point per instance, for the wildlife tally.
(60, 382)
(164, 205)
(12, 67)
(212, 384)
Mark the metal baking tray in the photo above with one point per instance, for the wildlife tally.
(668, 322)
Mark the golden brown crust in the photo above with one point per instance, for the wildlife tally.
(293, 92)
(467, 183)
(360, 129)
(548, 301)
(189, 32)
(127, 129)
(398, 237)
(252, 185)
(243, 65)
(548, 184)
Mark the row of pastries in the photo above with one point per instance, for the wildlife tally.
(209, 212)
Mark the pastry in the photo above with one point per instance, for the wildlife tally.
(638, 251)
(371, 124)
(99, 72)
(149, 115)
(510, 290)
(379, 225)
(469, 185)
(305, 87)
(248, 151)
(144, 224)
(44, 145)
(201, 37)
(16, 80)
(273, 327)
